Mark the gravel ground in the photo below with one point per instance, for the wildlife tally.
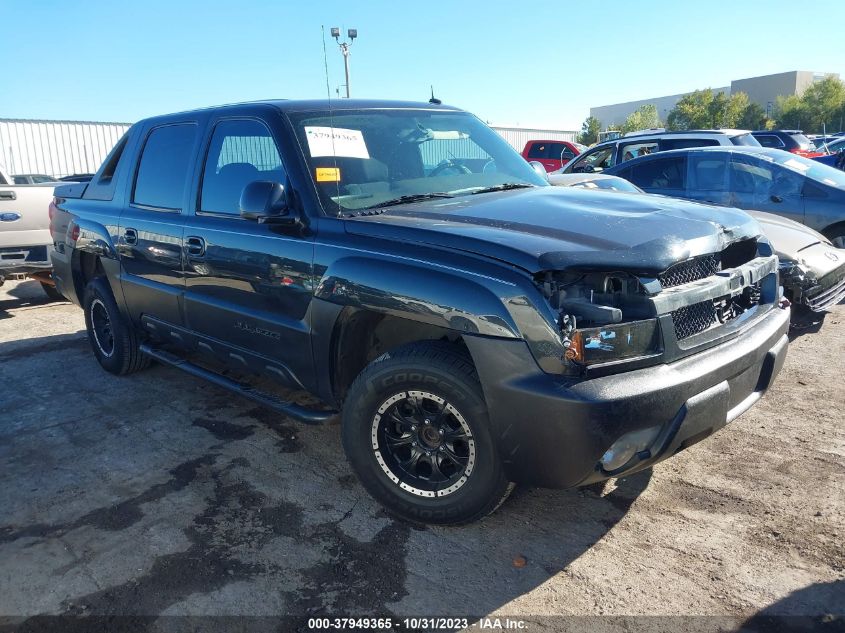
(159, 494)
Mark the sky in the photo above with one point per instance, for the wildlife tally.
(533, 64)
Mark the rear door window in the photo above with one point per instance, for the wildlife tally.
(662, 173)
(637, 149)
(163, 169)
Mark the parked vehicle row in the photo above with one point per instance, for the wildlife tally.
(615, 151)
(472, 325)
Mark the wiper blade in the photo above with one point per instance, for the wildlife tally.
(504, 187)
(416, 197)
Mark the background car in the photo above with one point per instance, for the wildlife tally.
(551, 154)
(635, 144)
(809, 267)
(32, 179)
(755, 179)
(820, 141)
(793, 141)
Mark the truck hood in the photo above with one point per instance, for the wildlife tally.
(556, 228)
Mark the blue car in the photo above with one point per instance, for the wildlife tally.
(755, 179)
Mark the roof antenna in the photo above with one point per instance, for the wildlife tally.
(434, 99)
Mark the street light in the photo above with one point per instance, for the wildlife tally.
(344, 48)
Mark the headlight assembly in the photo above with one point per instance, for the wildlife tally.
(609, 343)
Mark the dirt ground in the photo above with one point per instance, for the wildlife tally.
(159, 494)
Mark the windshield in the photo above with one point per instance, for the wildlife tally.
(810, 168)
(362, 159)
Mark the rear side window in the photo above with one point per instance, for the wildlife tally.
(241, 151)
(769, 140)
(102, 186)
(164, 165)
(662, 173)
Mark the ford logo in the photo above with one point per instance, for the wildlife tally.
(832, 256)
(9, 217)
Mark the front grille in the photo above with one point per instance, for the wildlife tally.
(694, 319)
(690, 270)
(829, 292)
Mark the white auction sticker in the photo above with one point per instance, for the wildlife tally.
(327, 141)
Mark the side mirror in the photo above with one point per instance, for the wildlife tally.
(538, 167)
(265, 201)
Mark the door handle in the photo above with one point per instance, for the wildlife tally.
(130, 236)
(8, 195)
(195, 246)
(777, 199)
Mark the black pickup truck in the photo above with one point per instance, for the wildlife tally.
(473, 326)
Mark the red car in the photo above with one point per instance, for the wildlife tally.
(552, 154)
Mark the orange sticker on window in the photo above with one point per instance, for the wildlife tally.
(328, 174)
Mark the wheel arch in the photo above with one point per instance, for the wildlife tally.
(359, 336)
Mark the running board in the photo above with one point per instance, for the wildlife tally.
(290, 409)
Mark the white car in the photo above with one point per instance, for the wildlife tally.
(25, 231)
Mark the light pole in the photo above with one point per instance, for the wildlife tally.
(344, 48)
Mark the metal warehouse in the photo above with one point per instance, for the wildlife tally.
(62, 148)
(56, 148)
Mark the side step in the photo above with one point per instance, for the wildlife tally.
(290, 409)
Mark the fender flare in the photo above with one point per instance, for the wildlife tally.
(436, 296)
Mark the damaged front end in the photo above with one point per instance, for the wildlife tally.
(807, 285)
(616, 321)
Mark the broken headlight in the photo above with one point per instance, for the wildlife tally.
(609, 343)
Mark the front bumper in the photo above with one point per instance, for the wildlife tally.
(552, 432)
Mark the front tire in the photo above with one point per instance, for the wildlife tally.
(417, 434)
(115, 342)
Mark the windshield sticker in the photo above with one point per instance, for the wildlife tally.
(326, 141)
(328, 174)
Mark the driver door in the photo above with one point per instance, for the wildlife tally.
(760, 185)
(248, 285)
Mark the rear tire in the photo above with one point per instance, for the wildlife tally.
(52, 293)
(417, 434)
(115, 342)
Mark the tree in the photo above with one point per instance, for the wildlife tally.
(821, 107)
(706, 109)
(792, 114)
(753, 117)
(589, 131)
(642, 118)
(823, 102)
